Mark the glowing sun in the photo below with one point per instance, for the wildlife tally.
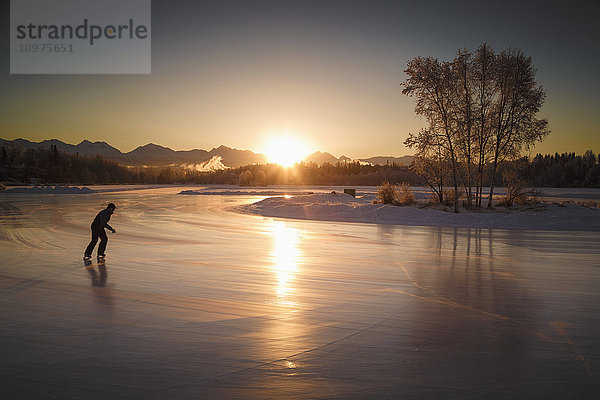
(286, 151)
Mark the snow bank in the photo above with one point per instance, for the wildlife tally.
(50, 190)
(127, 188)
(345, 208)
(58, 189)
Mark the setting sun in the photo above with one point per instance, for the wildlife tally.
(286, 151)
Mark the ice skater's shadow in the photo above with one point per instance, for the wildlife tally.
(98, 277)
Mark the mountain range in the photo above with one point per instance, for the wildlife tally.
(153, 154)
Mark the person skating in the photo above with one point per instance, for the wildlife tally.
(98, 226)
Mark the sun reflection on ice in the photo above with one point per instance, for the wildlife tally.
(286, 258)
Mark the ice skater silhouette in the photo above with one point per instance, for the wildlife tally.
(98, 225)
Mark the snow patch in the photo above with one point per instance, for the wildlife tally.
(345, 208)
(51, 190)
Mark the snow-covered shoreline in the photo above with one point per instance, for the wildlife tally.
(60, 189)
(341, 207)
(562, 209)
(49, 189)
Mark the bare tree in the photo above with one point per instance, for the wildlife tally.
(429, 160)
(464, 114)
(519, 98)
(484, 70)
(481, 109)
(431, 81)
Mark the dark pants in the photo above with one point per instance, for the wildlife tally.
(97, 233)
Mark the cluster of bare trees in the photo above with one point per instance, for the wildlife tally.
(310, 173)
(481, 111)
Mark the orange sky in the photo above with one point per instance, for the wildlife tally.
(241, 73)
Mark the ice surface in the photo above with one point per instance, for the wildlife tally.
(196, 301)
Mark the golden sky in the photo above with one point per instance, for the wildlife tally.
(239, 73)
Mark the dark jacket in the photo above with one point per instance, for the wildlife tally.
(101, 220)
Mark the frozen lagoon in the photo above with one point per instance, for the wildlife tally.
(196, 301)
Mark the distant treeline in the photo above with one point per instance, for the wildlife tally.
(562, 170)
(20, 165)
(51, 166)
